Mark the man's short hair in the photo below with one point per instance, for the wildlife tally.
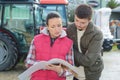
(84, 11)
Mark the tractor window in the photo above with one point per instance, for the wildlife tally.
(38, 13)
(19, 21)
(0, 13)
(17, 12)
(18, 17)
(59, 8)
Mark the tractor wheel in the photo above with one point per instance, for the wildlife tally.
(8, 52)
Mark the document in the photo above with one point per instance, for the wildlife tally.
(41, 65)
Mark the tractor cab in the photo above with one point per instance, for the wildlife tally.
(47, 6)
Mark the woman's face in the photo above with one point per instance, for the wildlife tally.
(55, 27)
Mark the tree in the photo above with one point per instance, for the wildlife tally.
(112, 4)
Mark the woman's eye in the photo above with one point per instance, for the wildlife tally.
(59, 25)
(76, 20)
(53, 27)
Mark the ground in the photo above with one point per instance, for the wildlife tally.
(111, 70)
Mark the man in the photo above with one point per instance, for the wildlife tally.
(88, 41)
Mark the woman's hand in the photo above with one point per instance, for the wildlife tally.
(57, 68)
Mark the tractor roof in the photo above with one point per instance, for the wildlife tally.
(19, 1)
(53, 1)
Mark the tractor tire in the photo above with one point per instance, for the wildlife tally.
(8, 52)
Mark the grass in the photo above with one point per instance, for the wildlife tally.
(114, 47)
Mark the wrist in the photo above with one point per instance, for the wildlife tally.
(61, 72)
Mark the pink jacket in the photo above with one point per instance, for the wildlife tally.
(45, 52)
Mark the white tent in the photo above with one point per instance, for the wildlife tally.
(101, 19)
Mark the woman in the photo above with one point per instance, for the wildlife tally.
(51, 43)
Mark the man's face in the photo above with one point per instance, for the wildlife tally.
(81, 24)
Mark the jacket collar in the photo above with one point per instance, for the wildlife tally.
(89, 28)
(45, 32)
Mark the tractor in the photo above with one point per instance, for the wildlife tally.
(20, 21)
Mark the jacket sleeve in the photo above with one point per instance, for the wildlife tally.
(93, 52)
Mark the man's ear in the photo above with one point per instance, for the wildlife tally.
(89, 19)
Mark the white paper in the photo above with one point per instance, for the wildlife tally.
(41, 65)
